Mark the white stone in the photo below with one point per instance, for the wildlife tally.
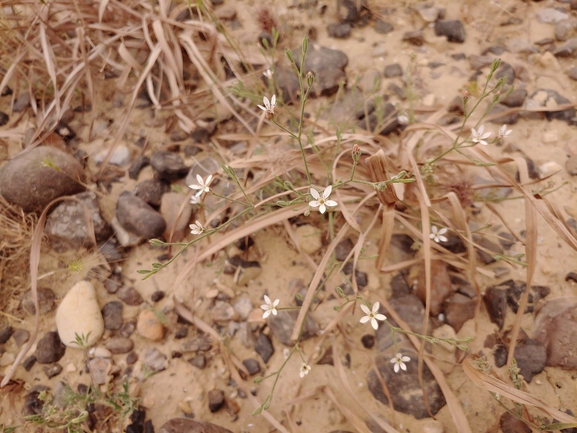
(445, 331)
(429, 100)
(309, 238)
(549, 168)
(79, 314)
(120, 156)
(550, 15)
(550, 137)
(6, 359)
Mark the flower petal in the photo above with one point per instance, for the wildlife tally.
(315, 194)
(327, 191)
(266, 314)
(208, 180)
(381, 317)
(374, 323)
(273, 101)
(330, 203)
(199, 180)
(322, 208)
(365, 319)
(403, 366)
(365, 309)
(267, 300)
(443, 239)
(405, 359)
(443, 230)
(314, 203)
(274, 311)
(276, 302)
(376, 306)
(396, 368)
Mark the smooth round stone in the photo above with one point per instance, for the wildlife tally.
(120, 345)
(79, 314)
(149, 326)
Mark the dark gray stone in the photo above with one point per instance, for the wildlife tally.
(129, 296)
(510, 118)
(506, 71)
(281, 327)
(383, 27)
(201, 343)
(394, 70)
(21, 102)
(452, 29)
(515, 99)
(399, 286)
(119, 345)
(59, 174)
(168, 165)
(215, 399)
(45, 301)
(29, 362)
(567, 49)
(151, 191)
(556, 329)
(550, 99)
(137, 165)
(496, 302)
(5, 334)
(327, 65)
(458, 309)
(112, 314)
(49, 349)
(199, 361)
(414, 37)
(343, 249)
(252, 366)
(20, 336)
(138, 217)
(52, 370)
(4, 118)
(263, 346)
(339, 30)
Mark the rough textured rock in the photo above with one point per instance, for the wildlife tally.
(404, 388)
(263, 346)
(149, 326)
(215, 399)
(112, 314)
(186, 425)
(556, 329)
(496, 302)
(67, 223)
(176, 215)
(550, 98)
(46, 298)
(49, 349)
(138, 217)
(58, 173)
(151, 191)
(327, 65)
(452, 29)
(79, 315)
(510, 424)
(458, 309)
(339, 30)
(168, 165)
(130, 296)
(440, 286)
(118, 345)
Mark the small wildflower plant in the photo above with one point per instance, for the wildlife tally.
(438, 235)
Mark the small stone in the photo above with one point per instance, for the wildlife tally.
(572, 73)
(21, 102)
(511, 424)
(182, 332)
(137, 165)
(252, 366)
(281, 327)
(152, 191)
(362, 279)
(168, 165)
(246, 272)
(131, 358)
(566, 49)
(100, 369)
(119, 345)
(551, 99)
(571, 165)
(551, 16)
(429, 100)
(187, 425)
(515, 99)
(20, 337)
(263, 346)
(343, 249)
(49, 349)
(79, 316)
(199, 361)
(226, 13)
(571, 276)
(309, 238)
(458, 309)
(53, 370)
(479, 62)
(128, 328)
(215, 399)
(176, 210)
(399, 286)
(440, 286)
(414, 37)
(505, 70)
(45, 300)
(549, 168)
(456, 105)
(120, 156)
(112, 314)
(6, 359)
(452, 29)
(339, 30)
(100, 352)
(138, 217)
(222, 312)
(185, 408)
(157, 296)
(509, 117)
(394, 70)
(243, 306)
(29, 362)
(383, 27)
(5, 334)
(445, 331)
(129, 296)
(496, 302)
(149, 326)
(556, 328)
(4, 118)
(155, 360)
(368, 341)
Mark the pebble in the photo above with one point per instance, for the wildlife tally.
(445, 331)
(452, 29)
(263, 346)
(361, 278)
(151, 191)
(118, 345)
(181, 332)
(130, 296)
(549, 168)
(215, 399)
(309, 238)
(531, 357)
(21, 102)
(556, 328)
(49, 349)
(339, 30)
(567, 48)
(201, 343)
(433, 426)
(458, 309)
(6, 359)
(120, 156)
(20, 336)
(496, 303)
(112, 315)
(155, 360)
(516, 98)
(176, 216)
(32, 403)
(571, 165)
(149, 326)
(100, 352)
(187, 425)
(328, 67)
(100, 369)
(223, 312)
(29, 362)
(66, 226)
(53, 370)
(138, 217)
(440, 286)
(550, 98)
(128, 328)
(131, 358)
(252, 366)
(368, 341)
(137, 165)
(281, 327)
(199, 361)
(246, 272)
(505, 70)
(4, 118)
(383, 27)
(399, 286)
(157, 296)
(5, 334)
(414, 37)
(20, 177)
(394, 70)
(343, 249)
(243, 306)
(79, 315)
(168, 165)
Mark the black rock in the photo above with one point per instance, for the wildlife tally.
(199, 361)
(515, 99)
(252, 366)
(339, 30)
(343, 249)
(368, 341)
(215, 399)
(136, 421)
(137, 165)
(281, 327)
(405, 389)
(29, 362)
(6, 91)
(327, 65)
(571, 276)
(263, 346)
(361, 277)
(168, 165)
(394, 70)
(383, 27)
(182, 332)
(112, 314)
(245, 243)
(4, 118)
(496, 302)
(353, 12)
(53, 370)
(157, 296)
(49, 349)
(452, 29)
(399, 286)
(414, 37)
(138, 217)
(129, 296)
(32, 403)
(5, 334)
(500, 355)
(201, 135)
(151, 191)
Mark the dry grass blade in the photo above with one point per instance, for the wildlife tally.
(349, 414)
(497, 386)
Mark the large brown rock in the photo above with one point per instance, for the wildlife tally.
(35, 178)
(556, 329)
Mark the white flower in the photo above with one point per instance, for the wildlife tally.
(403, 119)
(372, 315)
(304, 370)
(437, 235)
(478, 136)
(399, 361)
(268, 106)
(202, 185)
(503, 131)
(197, 228)
(268, 74)
(269, 307)
(322, 202)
